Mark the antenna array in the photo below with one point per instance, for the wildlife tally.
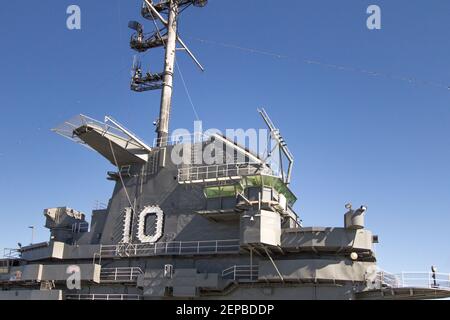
(164, 15)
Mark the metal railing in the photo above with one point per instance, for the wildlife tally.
(109, 126)
(12, 253)
(98, 205)
(176, 139)
(80, 227)
(120, 274)
(241, 273)
(428, 280)
(170, 248)
(108, 297)
(217, 172)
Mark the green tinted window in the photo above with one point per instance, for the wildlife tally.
(222, 191)
(212, 192)
(228, 191)
(270, 181)
(251, 181)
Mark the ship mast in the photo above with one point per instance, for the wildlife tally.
(167, 37)
(167, 90)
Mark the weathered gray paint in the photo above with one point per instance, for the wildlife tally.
(293, 262)
(31, 295)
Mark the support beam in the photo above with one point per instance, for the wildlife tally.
(126, 131)
(274, 265)
(155, 12)
(190, 53)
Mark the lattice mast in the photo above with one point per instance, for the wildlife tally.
(166, 13)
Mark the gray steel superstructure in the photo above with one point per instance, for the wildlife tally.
(196, 230)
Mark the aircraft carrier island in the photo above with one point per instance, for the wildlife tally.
(195, 229)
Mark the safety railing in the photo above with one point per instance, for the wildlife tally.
(80, 227)
(429, 280)
(120, 274)
(109, 127)
(176, 139)
(98, 205)
(112, 297)
(11, 253)
(241, 273)
(67, 128)
(217, 172)
(386, 279)
(170, 248)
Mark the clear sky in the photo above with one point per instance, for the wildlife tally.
(367, 139)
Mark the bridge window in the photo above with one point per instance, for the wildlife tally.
(271, 182)
(222, 191)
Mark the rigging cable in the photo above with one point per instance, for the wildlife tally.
(187, 91)
(410, 80)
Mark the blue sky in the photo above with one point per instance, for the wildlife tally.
(366, 139)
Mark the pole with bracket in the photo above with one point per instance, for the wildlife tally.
(169, 62)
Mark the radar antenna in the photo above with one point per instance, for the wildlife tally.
(166, 12)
